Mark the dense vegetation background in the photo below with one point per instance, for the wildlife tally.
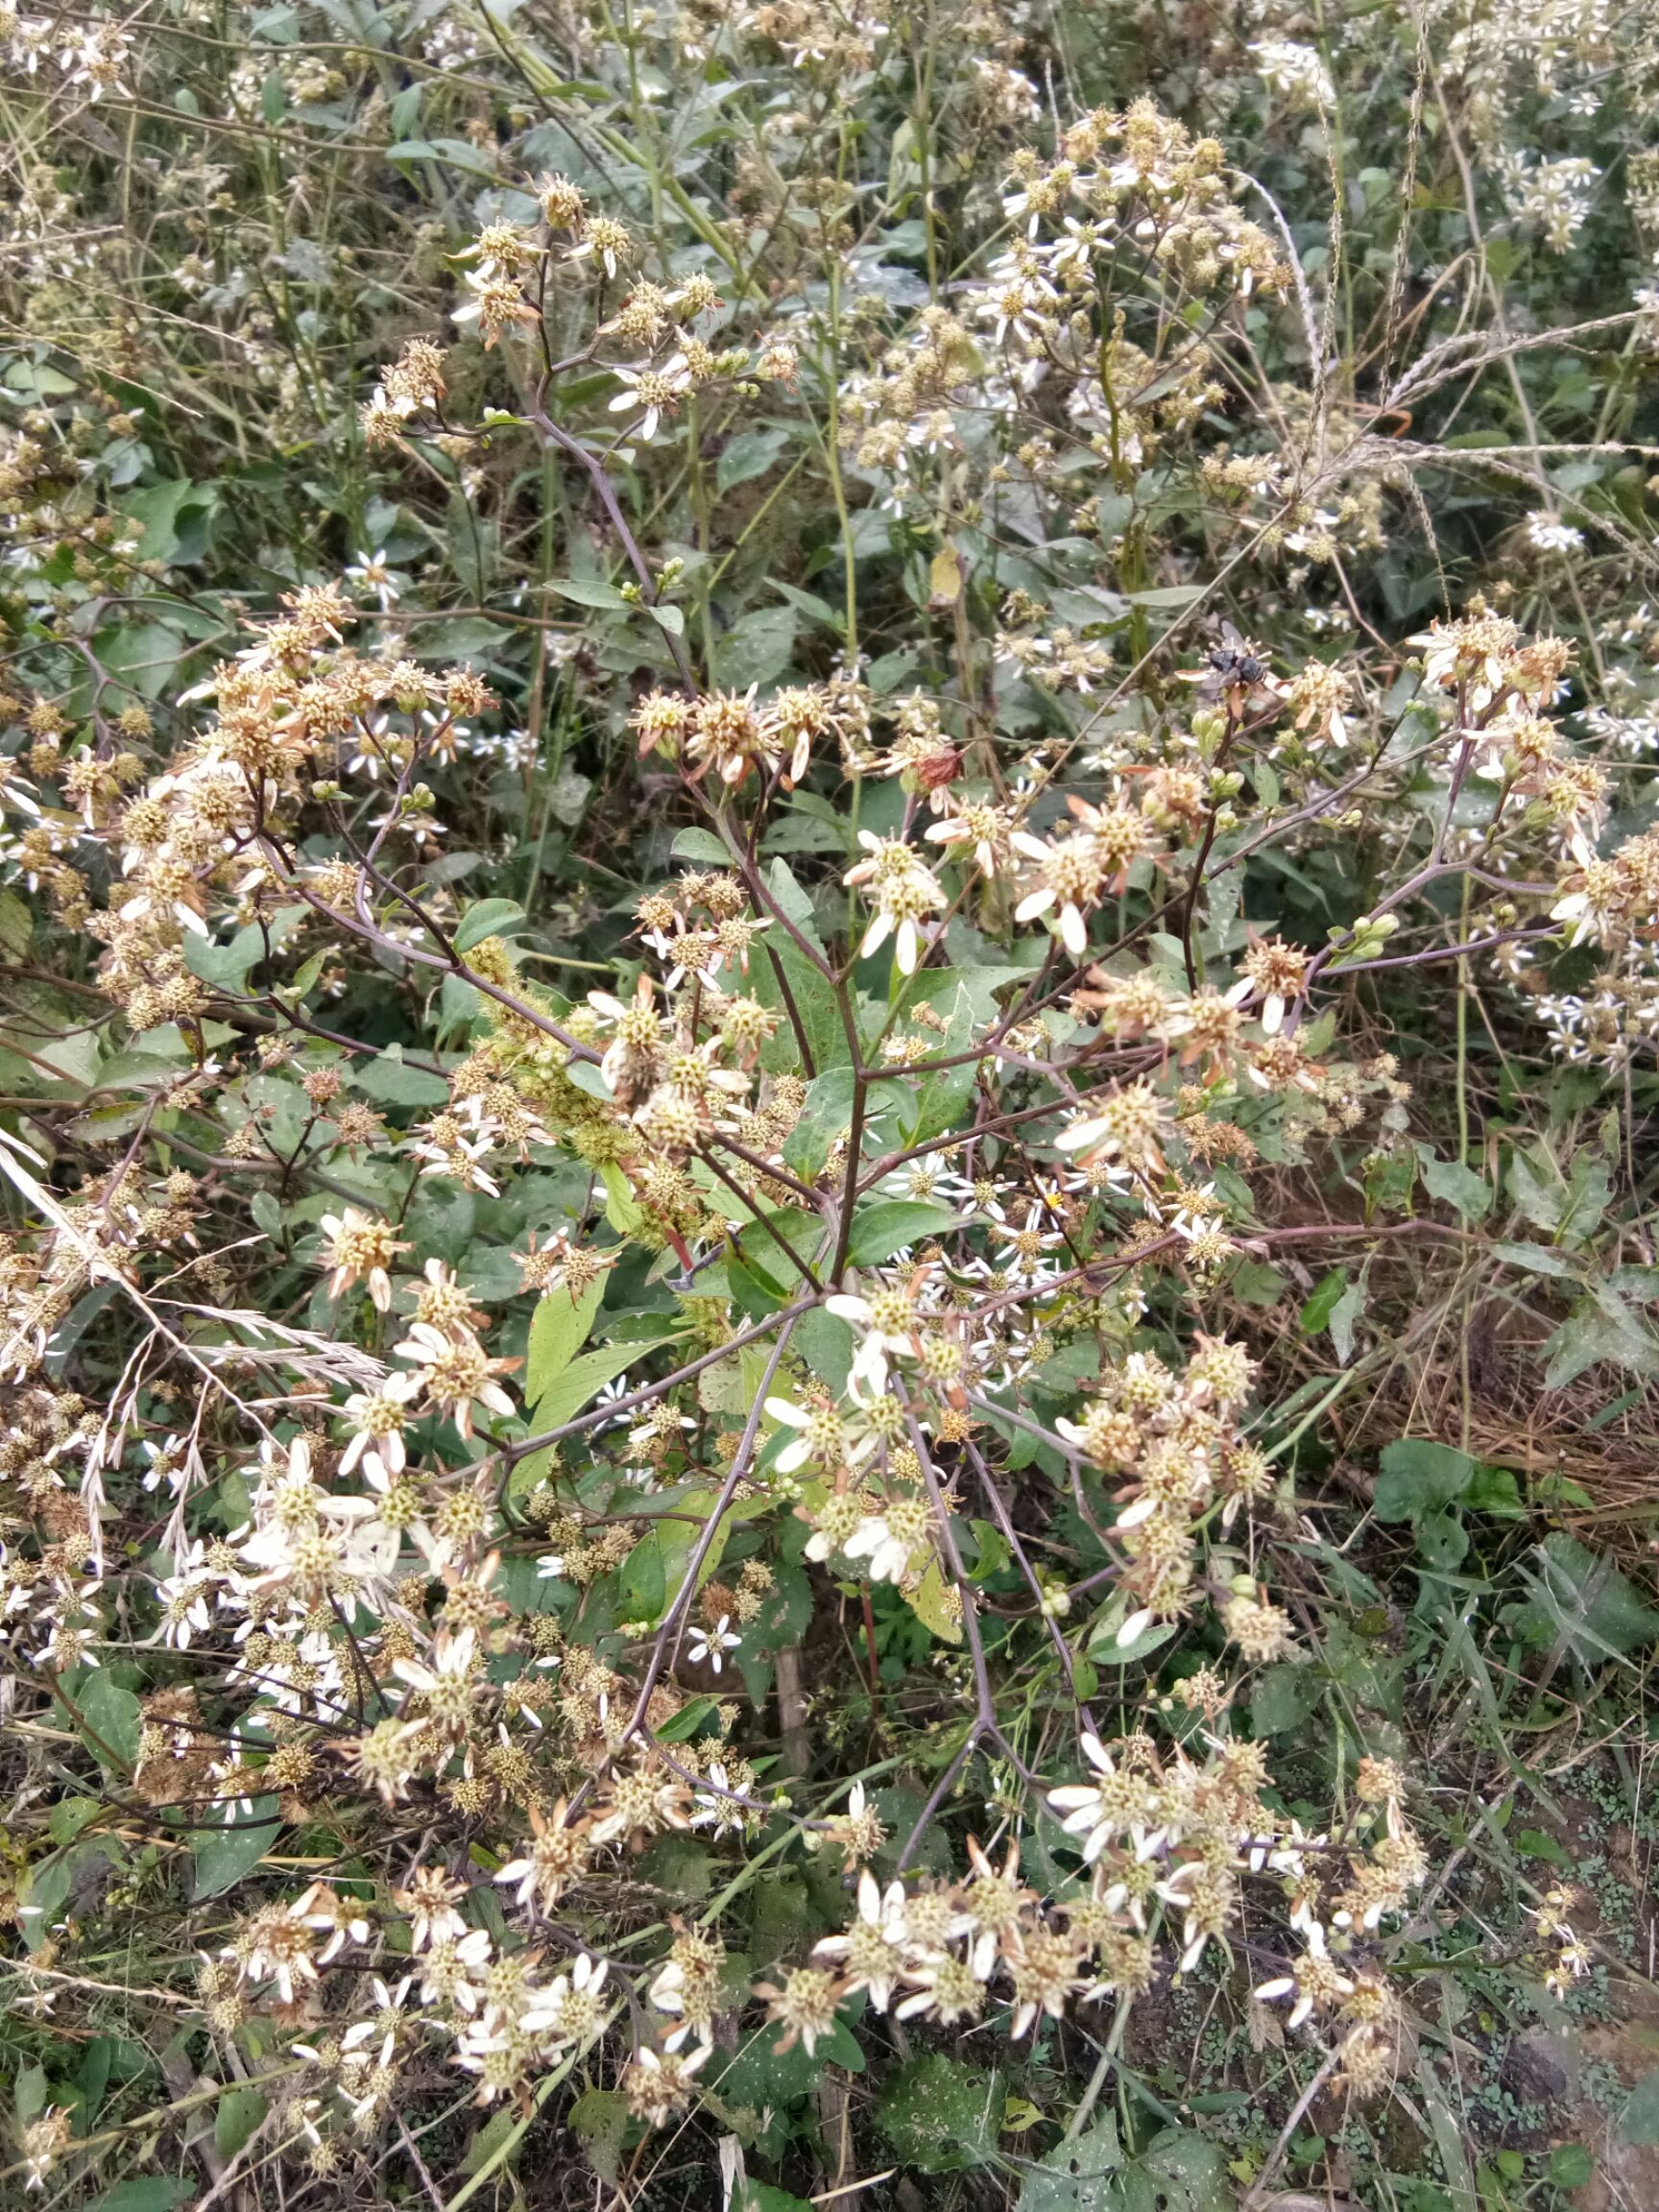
(828, 985)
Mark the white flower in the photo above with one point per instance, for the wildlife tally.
(823, 1435)
(886, 1326)
(888, 1553)
(881, 1913)
(715, 1807)
(1102, 1811)
(712, 1643)
(652, 392)
(371, 572)
(1551, 535)
(547, 2007)
(164, 1466)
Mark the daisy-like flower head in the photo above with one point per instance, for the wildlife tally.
(651, 393)
(377, 1417)
(361, 1248)
(887, 1322)
(1102, 1812)
(1070, 881)
(456, 1373)
(903, 892)
(712, 1644)
(871, 1953)
(823, 1436)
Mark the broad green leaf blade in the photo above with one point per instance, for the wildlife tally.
(559, 1328)
(223, 1855)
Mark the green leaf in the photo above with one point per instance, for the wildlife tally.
(1596, 1612)
(785, 1612)
(1570, 2166)
(1282, 1698)
(1180, 2171)
(93, 2077)
(791, 900)
(747, 455)
(1533, 1843)
(941, 2115)
(29, 2092)
(622, 1210)
(1599, 1328)
(579, 1381)
(1327, 1296)
(763, 2197)
(1588, 1191)
(928, 1602)
(1493, 1490)
(41, 1896)
(640, 1581)
(559, 1328)
(223, 1855)
(824, 1117)
(599, 2122)
(1344, 1318)
(1442, 1540)
(17, 924)
(389, 1081)
(68, 1816)
(1534, 1259)
(1456, 1185)
(1639, 2122)
(1076, 2176)
(114, 1714)
(702, 846)
(825, 1342)
(238, 2113)
(1166, 595)
(486, 918)
(1420, 1477)
(880, 1230)
(756, 649)
(147, 2193)
(683, 1725)
(589, 591)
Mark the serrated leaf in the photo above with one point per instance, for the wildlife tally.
(581, 1380)
(1420, 1477)
(1456, 1185)
(880, 1230)
(559, 1328)
(486, 918)
(237, 2116)
(941, 2115)
(930, 1603)
(224, 1855)
(1327, 1295)
(114, 1714)
(701, 845)
(588, 592)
